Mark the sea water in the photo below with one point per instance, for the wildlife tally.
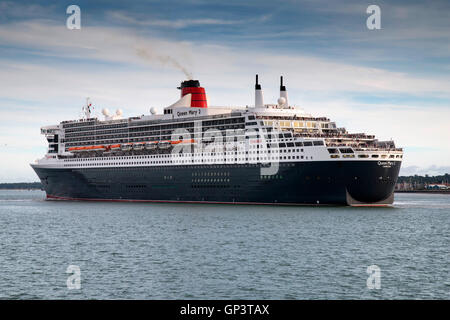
(104, 250)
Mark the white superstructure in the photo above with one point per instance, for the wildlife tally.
(263, 133)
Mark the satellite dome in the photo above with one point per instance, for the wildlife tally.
(105, 112)
(119, 112)
(153, 110)
(281, 101)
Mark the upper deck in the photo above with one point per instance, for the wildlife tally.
(203, 125)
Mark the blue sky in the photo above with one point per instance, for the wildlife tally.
(392, 82)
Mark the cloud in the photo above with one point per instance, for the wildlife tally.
(102, 44)
(15, 10)
(421, 171)
(175, 24)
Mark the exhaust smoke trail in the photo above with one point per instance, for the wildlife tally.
(164, 59)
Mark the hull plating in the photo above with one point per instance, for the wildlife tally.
(319, 182)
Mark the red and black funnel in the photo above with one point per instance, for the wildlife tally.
(198, 98)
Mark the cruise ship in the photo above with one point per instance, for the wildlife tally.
(273, 154)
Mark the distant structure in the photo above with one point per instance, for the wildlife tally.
(423, 183)
(438, 187)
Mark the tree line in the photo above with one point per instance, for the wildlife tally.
(21, 185)
(445, 178)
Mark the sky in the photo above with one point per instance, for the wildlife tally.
(393, 82)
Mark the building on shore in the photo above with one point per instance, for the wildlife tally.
(436, 186)
(415, 186)
(409, 186)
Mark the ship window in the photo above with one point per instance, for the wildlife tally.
(298, 144)
(308, 143)
(374, 156)
(318, 143)
(333, 151)
(346, 150)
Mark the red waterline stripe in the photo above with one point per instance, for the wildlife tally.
(50, 197)
(371, 205)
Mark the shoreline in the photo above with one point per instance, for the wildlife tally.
(424, 191)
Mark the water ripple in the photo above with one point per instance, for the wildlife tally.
(164, 251)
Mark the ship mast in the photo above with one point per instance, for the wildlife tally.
(87, 109)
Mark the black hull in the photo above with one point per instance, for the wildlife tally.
(319, 182)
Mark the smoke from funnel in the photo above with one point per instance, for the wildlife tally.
(164, 59)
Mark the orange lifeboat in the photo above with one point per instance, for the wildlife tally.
(88, 148)
(77, 149)
(187, 141)
(96, 148)
(114, 147)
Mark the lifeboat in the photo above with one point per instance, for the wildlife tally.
(114, 147)
(186, 141)
(88, 148)
(138, 146)
(126, 147)
(96, 148)
(151, 145)
(164, 144)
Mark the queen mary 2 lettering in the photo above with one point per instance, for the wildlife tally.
(263, 154)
